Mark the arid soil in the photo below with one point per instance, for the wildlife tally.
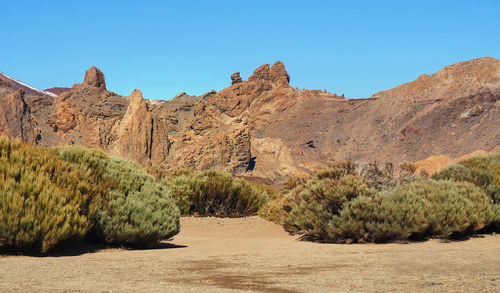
(253, 255)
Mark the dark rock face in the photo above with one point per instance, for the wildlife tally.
(16, 120)
(236, 78)
(4, 84)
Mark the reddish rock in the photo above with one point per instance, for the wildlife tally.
(264, 128)
(94, 77)
(236, 78)
(276, 74)
(141, 135)
(16, 120)
(57, 90)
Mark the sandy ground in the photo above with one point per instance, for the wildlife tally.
(253, 255)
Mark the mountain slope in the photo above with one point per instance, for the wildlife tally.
(264, 128)
(16, 84)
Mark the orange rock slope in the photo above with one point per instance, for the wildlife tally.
(266, 129)
(434, 164)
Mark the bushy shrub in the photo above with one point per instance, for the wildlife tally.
(420, 209)
(373, 175)
(483, 171)
(377, 176)
(43, 200)
(385, 177)
(134, 209)
(311, 207)
(94, 165)
(141, 211)
(214, 192)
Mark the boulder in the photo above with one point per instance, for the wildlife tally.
(236, 78)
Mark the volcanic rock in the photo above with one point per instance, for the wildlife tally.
(57, 90)
(142, 136)
(16, 120)
(236, 78)
(276, 74)
(94, 77)
(263, 127)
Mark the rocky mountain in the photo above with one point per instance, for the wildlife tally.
(16, 84)
(57, 90)
(265, 129)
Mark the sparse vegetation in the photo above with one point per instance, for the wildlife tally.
(339, 205)
(52, 196)
(214, 192)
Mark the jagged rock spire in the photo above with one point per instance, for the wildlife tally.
(94, 77)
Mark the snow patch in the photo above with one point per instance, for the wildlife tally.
(30, 87)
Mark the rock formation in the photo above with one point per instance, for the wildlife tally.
(16, 120)
(94, 77)
(275, 74)
(142, 136)
(236, 78)
(265, 129)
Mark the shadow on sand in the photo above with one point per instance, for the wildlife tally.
(75, 249)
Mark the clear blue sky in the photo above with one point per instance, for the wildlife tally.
(166, 47)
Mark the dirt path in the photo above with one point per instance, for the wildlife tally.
(250, 254)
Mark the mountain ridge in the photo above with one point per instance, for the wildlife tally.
(264, 128)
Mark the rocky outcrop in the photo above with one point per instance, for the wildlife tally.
(275, 74)
(236, 78)
(16, 120)
(65, 118)
(142, 136)
(265, 128)
(95, 78)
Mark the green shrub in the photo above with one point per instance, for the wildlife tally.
(94, 165)
(483, 171)
(43, 200)
(420, 209)
(140, 212)
(311, 207)
(214, 192)
(338, 205)
(134, 209)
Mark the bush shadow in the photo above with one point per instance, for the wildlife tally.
(76, 249)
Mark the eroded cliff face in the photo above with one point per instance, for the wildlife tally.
(94, 117)
(15, 117)
(264, 128)
(141, 135)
